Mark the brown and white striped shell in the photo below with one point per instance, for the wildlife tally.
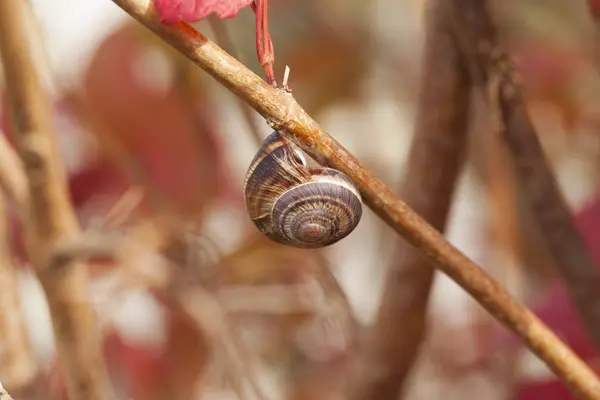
(295, 204)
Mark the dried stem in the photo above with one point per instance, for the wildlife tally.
(50, 216)
(495, 71)
(286, 77)
(18, 364)
(435, 161)
(283, 111)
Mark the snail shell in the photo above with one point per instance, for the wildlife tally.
(295, 204)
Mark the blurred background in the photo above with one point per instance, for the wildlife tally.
(156, 150)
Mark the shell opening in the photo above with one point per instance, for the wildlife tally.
(299, 156)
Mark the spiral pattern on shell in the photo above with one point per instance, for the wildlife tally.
(295, 204)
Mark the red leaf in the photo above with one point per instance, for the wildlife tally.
(172, 11)
(594, 6)
(173, 142)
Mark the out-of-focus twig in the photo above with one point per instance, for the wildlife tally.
(50, 215)
(284, 113)
(206, 311)
(12, 176)
(267, 299)
(124, 207)
(17, 360)
(435, 160)
(495, 71)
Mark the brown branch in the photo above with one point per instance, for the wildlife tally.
(280, 107)
(436, 157)
(50, 216)
(477, 33)
(18, 364)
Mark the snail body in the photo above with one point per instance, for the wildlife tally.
(298, 205)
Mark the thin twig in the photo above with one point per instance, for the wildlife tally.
(285, 114)
(50, 216)
(495, 71)
(435, 161)
(207, 313)
(286, 78)
(267, 299)
(124, 207)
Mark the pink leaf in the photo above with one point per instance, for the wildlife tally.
(172, 11)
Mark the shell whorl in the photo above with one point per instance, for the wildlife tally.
(295, 204)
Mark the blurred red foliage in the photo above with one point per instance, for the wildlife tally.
(594, 7)
(152, 372)
(172, 11)
(549, 73)
(166, 371)
(173, 142)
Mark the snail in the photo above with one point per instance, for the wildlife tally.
(295, 204)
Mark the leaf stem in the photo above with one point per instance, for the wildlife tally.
(264, 44)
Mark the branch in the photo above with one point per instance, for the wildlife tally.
(18, 364)
(280, 107)
(50, 216)
(495, 72)
(435, 161)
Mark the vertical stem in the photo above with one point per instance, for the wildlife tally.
(18, 364)
(435, 161)
(50, 215)
(264, 45)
